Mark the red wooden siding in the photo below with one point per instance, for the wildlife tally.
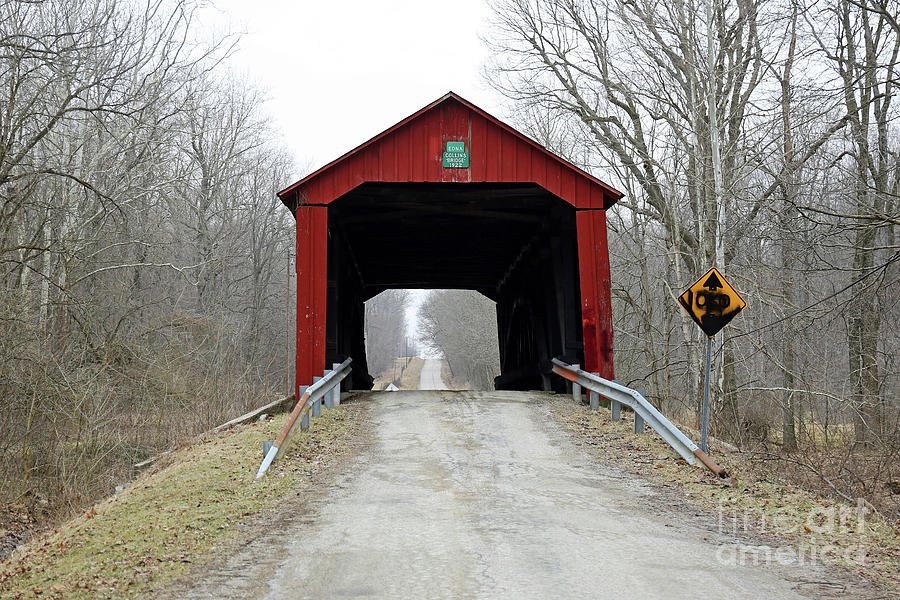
(411, 152)
(596, 310)
(312, 281)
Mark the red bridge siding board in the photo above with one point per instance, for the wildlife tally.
(478, 148)
(359, 174)
(553, 177)
(312, 192)
(507, 152)
(389, 159)
(582, 193)
(597, 198)
(567, 185)
(523, 162)
(337, 187)
(404, 168)
(370, 165)
(326, 188)
(418, 150)
(596, 309)
(539, 170)
(433, 168)
(492, 155)
(312, 279)
(342, 177)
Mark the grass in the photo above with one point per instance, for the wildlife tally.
(755, 501)
(409, 370)
(409, 379)
(837, 435)
(151, 532)
(454, 383)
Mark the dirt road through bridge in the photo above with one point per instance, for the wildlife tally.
(481, 495)
(430, 378)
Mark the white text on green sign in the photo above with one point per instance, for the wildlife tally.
(455, 156)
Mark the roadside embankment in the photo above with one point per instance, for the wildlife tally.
(405, 374)
(787, 521)
(164, 522)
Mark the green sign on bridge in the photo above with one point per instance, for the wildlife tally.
(455, 156)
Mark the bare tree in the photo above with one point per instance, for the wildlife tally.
(461, 326)
(386, 332)
(865, 55)
(141, 243)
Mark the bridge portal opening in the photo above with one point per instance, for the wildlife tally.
(457, 328)
(513, 243)
(452, 198)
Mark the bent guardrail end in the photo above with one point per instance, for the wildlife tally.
(267, 461)
(564, 373)
(644, 410)
(312, 394)
(710, 463)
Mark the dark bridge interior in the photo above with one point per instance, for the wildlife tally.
(514, 243)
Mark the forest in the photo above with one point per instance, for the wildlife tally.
(143, 252)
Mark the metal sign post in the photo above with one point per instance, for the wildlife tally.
(712, 303)
(704, 427)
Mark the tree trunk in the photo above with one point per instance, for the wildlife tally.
(787, 221)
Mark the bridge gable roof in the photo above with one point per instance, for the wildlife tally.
(411, 152)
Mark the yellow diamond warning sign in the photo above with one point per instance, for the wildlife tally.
(712, 302)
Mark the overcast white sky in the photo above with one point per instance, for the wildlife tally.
(340, 71)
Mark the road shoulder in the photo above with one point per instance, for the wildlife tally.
(243, 567)
(753, 522)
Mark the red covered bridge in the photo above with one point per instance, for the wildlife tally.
(520, 225)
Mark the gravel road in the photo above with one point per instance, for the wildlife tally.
(481, 495)
(430, 378)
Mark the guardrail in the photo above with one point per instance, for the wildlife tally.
(643, 410)
(325, 389)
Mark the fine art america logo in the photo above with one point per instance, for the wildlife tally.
(835, 533)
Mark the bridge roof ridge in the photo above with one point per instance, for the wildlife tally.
(287, 194)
